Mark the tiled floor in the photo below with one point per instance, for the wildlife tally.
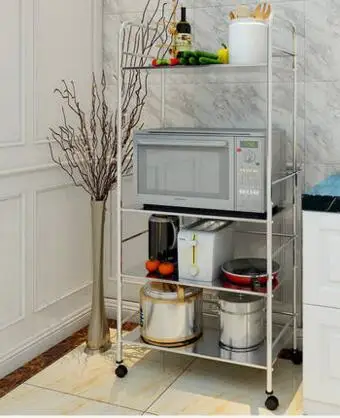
(157, 383)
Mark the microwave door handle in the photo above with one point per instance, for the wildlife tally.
(208, 144)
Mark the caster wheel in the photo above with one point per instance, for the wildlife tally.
(272, 403)
(121, 371)
(296, 356)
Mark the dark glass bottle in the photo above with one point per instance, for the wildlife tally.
(183, 37)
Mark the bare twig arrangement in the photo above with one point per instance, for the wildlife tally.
(89, 151)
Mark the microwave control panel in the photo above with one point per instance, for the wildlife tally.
(250, 174)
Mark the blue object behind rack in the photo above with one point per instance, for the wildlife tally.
(328, 187)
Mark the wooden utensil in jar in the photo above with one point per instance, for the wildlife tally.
(242, 11)
(232, 15)
(262, 11)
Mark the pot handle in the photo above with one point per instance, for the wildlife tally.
(180, 293)
(255, 282)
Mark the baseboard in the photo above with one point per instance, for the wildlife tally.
(130, 309)
(41, 342)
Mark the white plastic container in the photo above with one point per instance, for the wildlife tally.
(247, 42)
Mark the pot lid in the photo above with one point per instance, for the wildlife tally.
(238, 297)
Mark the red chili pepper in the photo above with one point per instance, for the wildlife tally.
(154, 62)
(174, 61)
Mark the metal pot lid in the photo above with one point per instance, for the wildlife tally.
(249, 267)
(239, 303)
(238, 297)
(167, 291)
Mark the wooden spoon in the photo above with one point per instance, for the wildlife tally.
(262, 11)
(243, 11)
(232, 15)
(257, 12)
(267, 10)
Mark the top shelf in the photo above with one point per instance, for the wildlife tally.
(277, 53)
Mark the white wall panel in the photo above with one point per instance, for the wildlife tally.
(12, 260)
(10, 72)
(62, 261)
(66, 28)
(45, 243)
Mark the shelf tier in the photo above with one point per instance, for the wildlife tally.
(203, 213)
(207, 346)
(139, 276)
(277, 53)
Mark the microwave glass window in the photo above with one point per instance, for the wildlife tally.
(184, 171)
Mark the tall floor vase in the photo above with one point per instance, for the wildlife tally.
(98, 336)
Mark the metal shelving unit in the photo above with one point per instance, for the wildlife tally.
(207, 347)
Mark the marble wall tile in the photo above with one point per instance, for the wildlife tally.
(323, 122)
(210, 29)
(122, 6)
(322, 40)
(233, 104)
(234, 3)
(318, 64)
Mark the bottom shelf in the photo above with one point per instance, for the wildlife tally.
(208, 346)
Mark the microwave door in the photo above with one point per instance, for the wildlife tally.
(187, 173)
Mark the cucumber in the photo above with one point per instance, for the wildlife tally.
(193, 61)
(204, 54)
(205, 61)
(183, 61)
(188, 54)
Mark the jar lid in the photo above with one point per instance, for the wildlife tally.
(167, 291)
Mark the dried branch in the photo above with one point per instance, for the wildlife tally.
(89, 149)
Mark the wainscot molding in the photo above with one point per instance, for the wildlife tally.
(22, 198)
(35, 306)
(26, 170)
(41, 342)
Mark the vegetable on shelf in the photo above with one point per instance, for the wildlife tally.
(164, 61)
(206, 61)
(196, 58)
(152, 265)
(166, 268)
(223, 54)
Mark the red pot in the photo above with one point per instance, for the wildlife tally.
(243, 271)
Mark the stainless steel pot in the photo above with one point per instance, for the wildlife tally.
(170, 315)
(242, 321)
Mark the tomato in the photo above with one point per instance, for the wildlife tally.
(166, 268)
(152, 265)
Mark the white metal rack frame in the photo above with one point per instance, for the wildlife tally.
(207, 346)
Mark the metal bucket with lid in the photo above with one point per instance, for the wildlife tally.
(242, 321)
(170, 315)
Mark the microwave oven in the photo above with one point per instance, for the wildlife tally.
(216, 169)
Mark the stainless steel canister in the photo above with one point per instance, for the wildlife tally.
(242, 321)
(170, 315)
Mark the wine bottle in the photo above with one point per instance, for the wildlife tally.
(183, 36)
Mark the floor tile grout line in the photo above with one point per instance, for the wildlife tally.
(80, 396)
(168, 387)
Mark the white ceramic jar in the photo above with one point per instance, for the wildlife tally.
(248, 42)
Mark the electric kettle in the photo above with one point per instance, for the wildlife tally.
(163, 232)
